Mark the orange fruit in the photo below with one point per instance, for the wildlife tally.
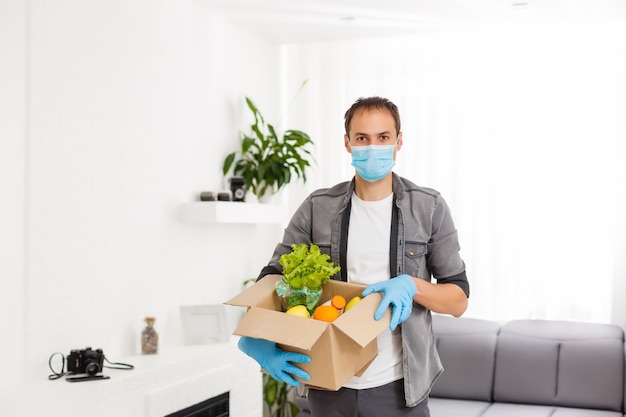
(338, 302)
(325, 313)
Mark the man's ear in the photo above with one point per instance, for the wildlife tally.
(399, 144)
(346, 143)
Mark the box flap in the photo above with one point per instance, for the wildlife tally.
(282, 328)
(262, 293)
(359, 324)
(367, 365)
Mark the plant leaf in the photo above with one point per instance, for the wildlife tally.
(270, 390)
(259, 134)
(257, 114)
(272, 132)
(228, 162)
(246, 144)
(295, 410)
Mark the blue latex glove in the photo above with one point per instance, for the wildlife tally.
(275, 361)
(398, 293)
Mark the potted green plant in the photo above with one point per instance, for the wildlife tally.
(266, 160)
(277, 397)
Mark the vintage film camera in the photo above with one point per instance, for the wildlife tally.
(85, 361)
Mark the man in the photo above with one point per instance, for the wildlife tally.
(393, 236)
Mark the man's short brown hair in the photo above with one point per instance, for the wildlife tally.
(369, 103)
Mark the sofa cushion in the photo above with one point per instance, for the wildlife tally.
(560, 363)
(443, 407)
(580, 412)
(467, 348)
(523, 410)
(518, 410)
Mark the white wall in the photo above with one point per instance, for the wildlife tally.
(521, 128)
(125, 111)
(12, 180)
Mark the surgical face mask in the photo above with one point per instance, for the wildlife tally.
(373, 162)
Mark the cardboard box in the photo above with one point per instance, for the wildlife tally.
(338, 350)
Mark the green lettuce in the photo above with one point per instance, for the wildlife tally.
(307, 267)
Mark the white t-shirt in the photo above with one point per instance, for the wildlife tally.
(367, 263)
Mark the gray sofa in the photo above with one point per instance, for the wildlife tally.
(526, 368)
(529, 368)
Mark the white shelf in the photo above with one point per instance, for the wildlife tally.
(173, 379)
(233, 212)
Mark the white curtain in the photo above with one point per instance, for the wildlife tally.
(521, 129)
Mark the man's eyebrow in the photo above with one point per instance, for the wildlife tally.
(386, 132)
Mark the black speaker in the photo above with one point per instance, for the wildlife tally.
(237, 188)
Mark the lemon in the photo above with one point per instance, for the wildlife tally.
(299, 310)
(351, 303)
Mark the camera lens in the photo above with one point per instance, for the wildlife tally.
(91, 367)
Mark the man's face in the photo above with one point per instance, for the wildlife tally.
(372, 127)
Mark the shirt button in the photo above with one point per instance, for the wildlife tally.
(411, 253)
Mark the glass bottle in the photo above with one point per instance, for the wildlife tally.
(149, 337)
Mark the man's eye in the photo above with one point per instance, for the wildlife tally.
(384, 138)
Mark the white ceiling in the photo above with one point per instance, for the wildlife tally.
(289, 21)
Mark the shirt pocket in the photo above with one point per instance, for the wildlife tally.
(415, 259)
